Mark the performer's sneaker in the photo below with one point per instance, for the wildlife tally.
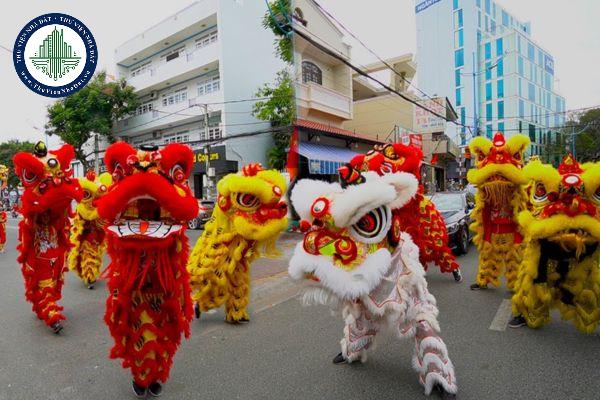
(339, 359)
(442, 392)
(197, 312)
(91, 285)
(56, 327)
(477, 286)
(517, 322)
(155, 389)
(457, 275)
(139, 391)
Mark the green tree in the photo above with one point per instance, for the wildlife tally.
(277, 19)
(93, 109)
(280, 109)
(7, 152)
(587, 143)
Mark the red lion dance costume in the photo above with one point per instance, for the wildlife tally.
(149, 306)
(418, 217)
(43, 232)
(3, 217)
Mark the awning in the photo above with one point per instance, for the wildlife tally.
(324, 160)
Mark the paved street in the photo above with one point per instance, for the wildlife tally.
(286, 351)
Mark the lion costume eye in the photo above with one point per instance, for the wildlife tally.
(87, 195)
(177, 173)
(596, 195)
(247, 200)
(28, 177)
(540, 194)
(373, 226)
(118, 172)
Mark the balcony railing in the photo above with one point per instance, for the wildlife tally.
(318, 97)
(166, 71)
(182, 112)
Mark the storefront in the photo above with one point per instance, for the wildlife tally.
(218, 167)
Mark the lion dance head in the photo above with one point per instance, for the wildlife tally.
(562, 231)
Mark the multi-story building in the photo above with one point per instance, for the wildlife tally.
(324, 99)
(195, 74)
(486, 61)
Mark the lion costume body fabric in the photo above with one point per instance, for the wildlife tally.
(43, 232)
(87, 232)
(364, 262)
(561, 266)
(3, 215)
(249, 215)
(146, 209)
(419, 217)
(500, 197)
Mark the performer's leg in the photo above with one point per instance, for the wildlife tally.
(431, 360)
(359, 333)
(239, 295)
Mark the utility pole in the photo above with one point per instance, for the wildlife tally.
(207, 154)
(96, 151)
(475, 117)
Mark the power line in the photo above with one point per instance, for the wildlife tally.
(366, 75)
(6, 48)
(371, 51)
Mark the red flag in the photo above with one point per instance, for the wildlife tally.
(292, 160)
(434, 159)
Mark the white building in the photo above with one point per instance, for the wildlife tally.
(212, 55)
(514, 90)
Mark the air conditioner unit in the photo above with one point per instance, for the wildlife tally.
(153, 95)
(155, 134)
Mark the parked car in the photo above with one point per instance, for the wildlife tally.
(205, 211)
(455, 208)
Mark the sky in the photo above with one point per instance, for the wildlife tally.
(569, 31)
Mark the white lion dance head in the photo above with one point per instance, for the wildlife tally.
(350, 230)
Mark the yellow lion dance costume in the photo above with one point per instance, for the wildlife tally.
(561, 266)
(87, 233)
(249, 215)
(500, 197)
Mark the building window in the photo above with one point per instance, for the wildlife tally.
(488, 50)
(500, 68)
(500, 88)
(454, 4)
(501, 110)
(488, 91)
(209, 85)
(488, 112)
(479, 3)
(175, 97)
(488, 6)
(457, 77)
(172, 55)
(140, 69)
(311, 73)
(499, 47)
(505, 21)
(532, 133)
(531, 92)
(489, 131)
(144, 108)
(520, 69)
(488, 71)
(459, 58)
(179, 137)
(501, 127)
(458, 19)
(207, 39)
(458, 39)
(458, 97)
(463, 116)
(530, 52)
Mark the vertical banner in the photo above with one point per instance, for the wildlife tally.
(292, 159)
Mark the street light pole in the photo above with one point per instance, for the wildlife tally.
(475, 116)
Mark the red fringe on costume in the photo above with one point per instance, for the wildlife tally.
(37, 268)
(150, 283)
(426, 225)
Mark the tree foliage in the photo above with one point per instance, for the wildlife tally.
(93, 109)
(280, 109)
(277, 19)
(586, 127)
(7, 152)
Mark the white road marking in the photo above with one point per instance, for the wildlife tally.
(502, 317)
